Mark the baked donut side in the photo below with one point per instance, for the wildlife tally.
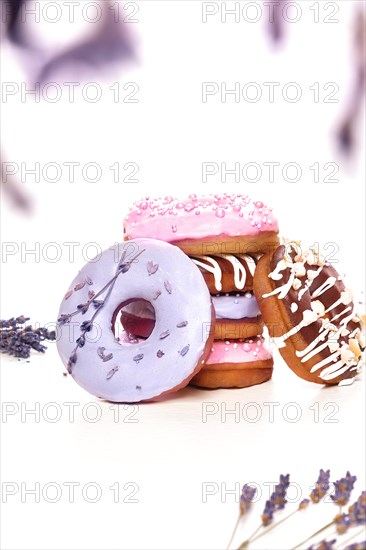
(310, 316)
(266, 242)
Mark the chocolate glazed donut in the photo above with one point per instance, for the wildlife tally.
(310, 315)
(230, 281)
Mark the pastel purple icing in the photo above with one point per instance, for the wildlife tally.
(162, 275)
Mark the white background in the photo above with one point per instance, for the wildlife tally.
(170, 452)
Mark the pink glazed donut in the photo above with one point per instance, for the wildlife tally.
(142, 269)
(205, 225)
(236, 364)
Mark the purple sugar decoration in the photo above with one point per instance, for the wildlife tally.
(112, 372)
(168, 287)
(79, 286)
(152, 268)
(184, 351)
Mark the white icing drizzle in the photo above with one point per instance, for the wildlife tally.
(308, 318)
(332, 375)
(346, 381)
(328, 284)
(311, 276)
(283, 290)
(341, 313)
(214, 268)
(342, 358)
(307, 352)
(249, 261)
(240, 274)
(328, 359)
(276, 275)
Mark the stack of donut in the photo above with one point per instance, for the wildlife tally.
(191, 285)
(224, 235)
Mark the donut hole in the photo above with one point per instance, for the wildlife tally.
(133, 321)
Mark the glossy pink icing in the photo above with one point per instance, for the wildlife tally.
(170, 219)
(234, 351)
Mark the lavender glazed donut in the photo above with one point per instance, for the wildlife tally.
(142, 269)
(205, 225)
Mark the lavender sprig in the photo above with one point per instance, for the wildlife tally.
(343, 489)
(87, 326)
(19, 339)
(276, 502)
(356, 515)
(246, 498)
(321, 486)
(323, 545)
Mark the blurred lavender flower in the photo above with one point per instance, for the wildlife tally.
(12, 189)
(357, 546)
(246, 498)
(323, 545)
(10, 15)
(347, 131)
(321, 486)
(110, 44)
(275, 25)
(277, 500)
(343, 489)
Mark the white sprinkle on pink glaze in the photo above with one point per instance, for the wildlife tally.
(221, 214)
(235, 351)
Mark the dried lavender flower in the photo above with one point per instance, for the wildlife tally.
(357, 511)
(343, 489)
(356, 515)
(323, 545)
(18, 339)
(277, 500)
(304, 504)
(321, 486)
(247, 494)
